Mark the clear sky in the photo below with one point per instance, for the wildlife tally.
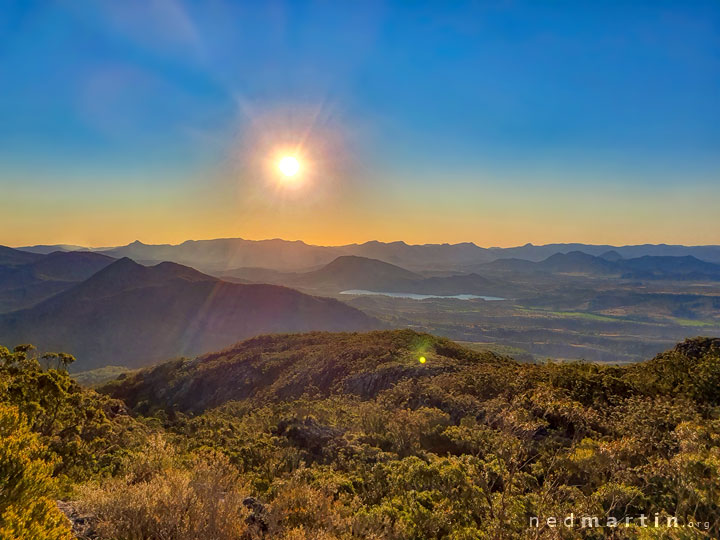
(495, 122)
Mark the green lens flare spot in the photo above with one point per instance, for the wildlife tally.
(422, 360)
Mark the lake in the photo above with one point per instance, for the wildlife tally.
(413, 296)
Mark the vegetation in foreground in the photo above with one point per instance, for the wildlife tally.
(349, 436)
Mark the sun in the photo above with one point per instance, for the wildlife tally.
(289, 165)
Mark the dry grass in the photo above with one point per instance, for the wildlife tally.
(159, 499)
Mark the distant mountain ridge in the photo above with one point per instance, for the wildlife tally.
(575, 262)
(45, 249)
(131, 315)
(353, 272)
(29, 280)
(709, 253)
(222, 254)
(15, 257)
(225, 253)
(646, 267)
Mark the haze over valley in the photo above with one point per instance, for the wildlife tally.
(613, 304)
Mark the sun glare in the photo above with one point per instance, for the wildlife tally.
(289, 165)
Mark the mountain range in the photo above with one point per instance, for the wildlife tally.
(133, 315)
(222, 254)
(352, 272)
(645, 267)
(111, 310)
(497, 278)
(29, 278)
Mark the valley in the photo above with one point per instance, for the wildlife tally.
(567, 317)
(569, 306)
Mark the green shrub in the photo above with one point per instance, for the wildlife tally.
(27, 488)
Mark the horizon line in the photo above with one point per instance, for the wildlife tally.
(469, 243)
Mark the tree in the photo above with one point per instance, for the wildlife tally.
(27, 507)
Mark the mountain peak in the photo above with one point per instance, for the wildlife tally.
(611, 255)
(353, 271)
(125, 262)
(121, 271)
(126, 270)
(135, 314)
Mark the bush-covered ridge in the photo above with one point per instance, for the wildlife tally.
(284, 442)
(285, 367)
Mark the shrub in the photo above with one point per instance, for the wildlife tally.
(27, 508)
(161, 497)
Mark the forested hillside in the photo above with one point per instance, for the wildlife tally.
(385, 435)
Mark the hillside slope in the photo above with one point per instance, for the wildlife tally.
(25, 281)
(14, 257)
(285, 367)
(349, 436)
(131, 315)
(352, 272)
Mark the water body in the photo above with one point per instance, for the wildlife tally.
(413, 296)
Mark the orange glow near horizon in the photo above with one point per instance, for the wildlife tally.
(323, 211)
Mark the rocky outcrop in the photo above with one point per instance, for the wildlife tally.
(369, 384)
(310, 435)
(82, 523)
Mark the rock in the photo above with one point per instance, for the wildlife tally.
(310, 435)
(258, 519)
(698, 347)
(368, 385)
(83, 524)
(540, 433)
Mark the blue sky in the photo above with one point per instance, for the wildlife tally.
(134, 106)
